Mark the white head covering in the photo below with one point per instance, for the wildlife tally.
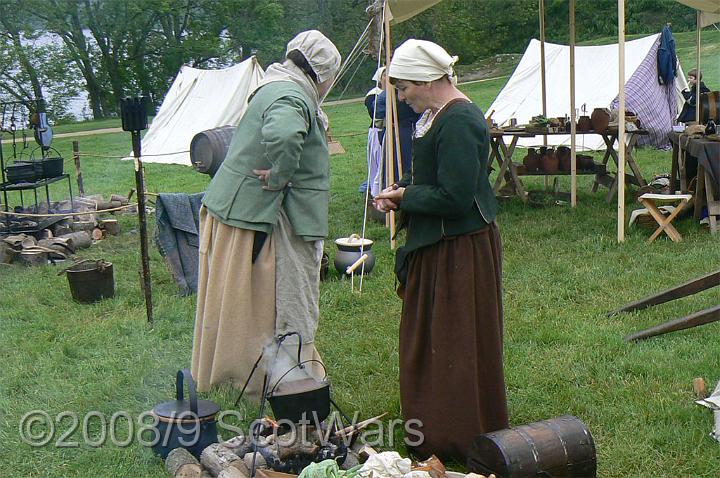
(421, 60)
(378, 74)
(321, 53)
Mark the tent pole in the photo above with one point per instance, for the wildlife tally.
(697, 65)
(621, 124)
(542, 73)
(390, 121)
(542, 60)
(573, 158)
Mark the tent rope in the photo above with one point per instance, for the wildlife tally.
(25, 214)
(96, 155)
(369, 179)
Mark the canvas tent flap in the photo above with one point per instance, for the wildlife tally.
(402, 10)
(709, 10)
(596, 73)
(198, 100)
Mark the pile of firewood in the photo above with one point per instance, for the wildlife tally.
(274, 450)
(62, 236)
(234, 458)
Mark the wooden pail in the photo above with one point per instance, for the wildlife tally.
(560, 446)
(709, 105)
(208, 149)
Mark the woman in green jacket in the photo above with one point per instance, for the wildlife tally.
(263, 219)
(451, 331)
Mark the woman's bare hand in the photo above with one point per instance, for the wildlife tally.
(389, 199)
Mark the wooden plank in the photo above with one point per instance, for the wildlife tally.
(691, 287)
(693, 320)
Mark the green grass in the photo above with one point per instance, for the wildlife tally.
(563, 271)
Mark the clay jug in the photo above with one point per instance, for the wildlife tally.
(584, 125)
(563, 156)
(585, 162)
(600, 119)
(549, 162)
(531, 161)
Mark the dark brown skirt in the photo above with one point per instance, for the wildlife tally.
(451, 344)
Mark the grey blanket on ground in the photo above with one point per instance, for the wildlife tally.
(176, 234)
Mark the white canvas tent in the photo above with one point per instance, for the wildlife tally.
(596, 71)
(198, 100)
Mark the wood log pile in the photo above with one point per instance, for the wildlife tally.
(276, 450)
(62, 236)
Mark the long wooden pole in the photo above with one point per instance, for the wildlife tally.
(390, 120)
(702, 317)
(144, 253)
(698, 29)
(573, 157)
(621, 124)
(543, 88)
(691, 287)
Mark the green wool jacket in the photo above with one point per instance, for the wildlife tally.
(281, 132)
(447, 191)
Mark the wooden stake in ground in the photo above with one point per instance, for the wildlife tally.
(134, 119)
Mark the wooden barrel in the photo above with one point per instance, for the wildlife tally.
(560, 446)
(709, 105)
(208, 149)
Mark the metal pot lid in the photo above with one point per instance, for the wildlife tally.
(181, 408)
(353, 241)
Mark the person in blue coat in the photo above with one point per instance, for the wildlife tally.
(687, 114)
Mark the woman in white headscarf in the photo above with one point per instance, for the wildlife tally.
(263, 221)
(450, 268)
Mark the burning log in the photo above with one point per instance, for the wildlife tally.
(288, 449)
(216, 458)
(181, 464)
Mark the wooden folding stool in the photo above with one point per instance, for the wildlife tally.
(649, 200)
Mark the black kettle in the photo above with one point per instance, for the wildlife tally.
(189, 424)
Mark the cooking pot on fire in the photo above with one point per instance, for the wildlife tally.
(303, 399)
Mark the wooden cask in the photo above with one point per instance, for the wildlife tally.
(709, 105)
(208, 149)
(560, 446)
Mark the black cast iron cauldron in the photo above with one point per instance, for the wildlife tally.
(188, 424)
(303, 399)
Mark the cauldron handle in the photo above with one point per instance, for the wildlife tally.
(179, 396)
(281, 339)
